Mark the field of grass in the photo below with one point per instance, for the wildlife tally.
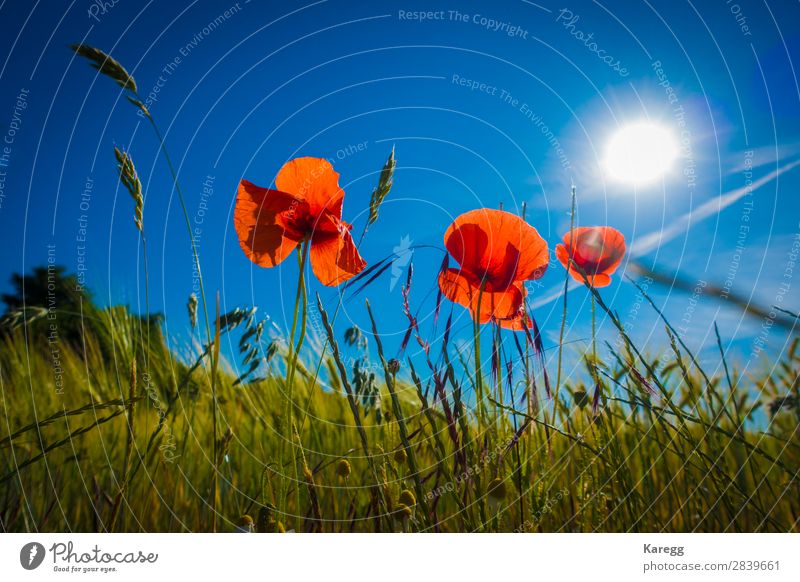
(102, 436)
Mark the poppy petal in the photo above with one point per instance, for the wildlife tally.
(596, 250)
(519, 323)
(334, 257)
(498, 245)
(467, 242)
(259, 220)
(315, 181)
(463, 288)
(599, 280)
(459, 286)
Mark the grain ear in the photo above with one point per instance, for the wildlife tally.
(107, 65)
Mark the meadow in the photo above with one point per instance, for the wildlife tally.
(106, 427)
(125, 444)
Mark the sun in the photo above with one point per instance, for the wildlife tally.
(640, 153)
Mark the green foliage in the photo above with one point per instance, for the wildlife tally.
(727, 463)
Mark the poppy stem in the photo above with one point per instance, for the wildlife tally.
(478, 375)
(499, 362)
(595, 371)
(301, 300)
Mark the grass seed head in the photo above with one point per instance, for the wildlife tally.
(191, 307)
(106, 64)
(407, 498)
(402, 512)
(130, 179)
(343, 468)
(400, 456)
(382, 190)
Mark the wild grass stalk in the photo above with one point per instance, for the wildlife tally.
(390, 374)
(566, 293)
(129, 444)
(110, 67)
(381, 501)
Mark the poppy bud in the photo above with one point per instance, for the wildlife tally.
(393, 365)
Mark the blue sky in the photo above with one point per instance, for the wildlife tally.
(486, 104)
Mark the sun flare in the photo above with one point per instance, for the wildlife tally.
(640, 153)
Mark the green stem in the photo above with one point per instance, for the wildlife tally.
(477, 340)
(301, 302)
(594, 345)
(325, 344)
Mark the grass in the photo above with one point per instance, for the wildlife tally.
(670, 447)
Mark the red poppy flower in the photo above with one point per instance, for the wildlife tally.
(596, 250)
(307, 205)
(499, 251)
